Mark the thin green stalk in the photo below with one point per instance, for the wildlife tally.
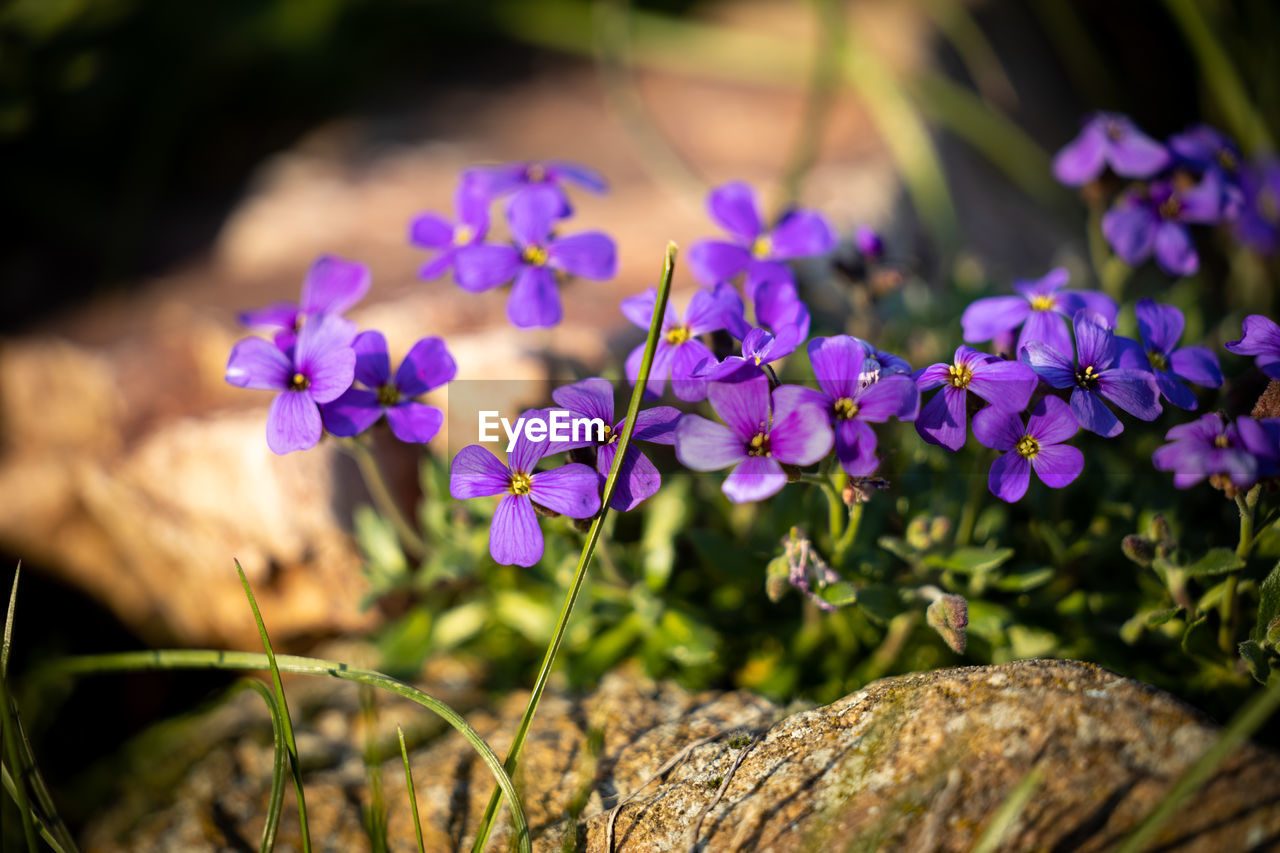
(11, 752)
(376, 818)
(817, 106)
(279, 763)
(413, 796)
(580, 575)
(371, 473)
(49, 837)
(845, 542)
(1229, 608)
(286, 724)
(837, 512)
(1250, 718)
(972, 502)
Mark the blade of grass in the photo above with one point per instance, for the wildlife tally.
(48, 836)
(286, 724)
(1247, 720)
(593, 536)
(376, 817)
(413, 796)
(166, 659)
(276, 802)
(1001, 823)
(8, 623)
(9, 729)
(51, 820)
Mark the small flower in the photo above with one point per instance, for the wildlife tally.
(1042, 309)
(869, 244)
(432, 231)
(1230, 454)
(1094, 378)
(514, 536)
(853, 400)
(764, 430)
(758, 349)
(679, 354)
(427, 366)
(316, 368)
(638, 479)
(1261, 338)
(1203, 149)
(753, 250)
(547, 176)
(534, 260)
(1258, 223)
(1153, 221)
(1006, 385)
(1160, 327)
(1109, 139)
(1036, 447)
(331, 287)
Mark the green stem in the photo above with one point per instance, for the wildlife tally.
(850, 533)
(1229, 608)
(969, 512)
(836, 510)
(371, 473)
(593, 536)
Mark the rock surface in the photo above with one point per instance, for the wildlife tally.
(918, 762)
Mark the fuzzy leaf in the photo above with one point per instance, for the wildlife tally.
(969, 561)
(1024, 581)
(1255, 657)
(1159, 617)
(840, 594)
(1268, 602)
(1218, 561)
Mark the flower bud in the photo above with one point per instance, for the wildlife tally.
(949, 616)
(1139, 549)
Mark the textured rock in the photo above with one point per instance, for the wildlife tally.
(917, 762)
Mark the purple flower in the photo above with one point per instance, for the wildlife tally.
(679, 354)
(1109, 139)
(1261, 338)
(1094, 378)
(534, 261)
(753, 250)
(638, 479)
(1042, 310)
(316, 368)
(1241, 453)
(853, 399)
(432, 231)
(545, 176)
(427, 366)
(514, 536)
(331, 287)
(1258, 223)
(778, 307)
(868, 243)
(758, 349)
(1037, 446)
(1154, 221)
(1160, 327)
(1006, 385)
(1205, 150)
(763, 430)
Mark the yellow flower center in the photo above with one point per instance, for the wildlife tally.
(677, 335)
(1227, 160)
(1087, 378)
(1158, 360)
(462, 235)
(1043, 302)
(1221, 441)
(959, 375)
(520, 483)
(1027, 447)
(388, 395)
(762, 247)
(298, 382)
(844, 408)
(535, 256)
(1171, 207)
(759, 445)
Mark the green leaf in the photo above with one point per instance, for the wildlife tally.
(1025, 581)
(1198, 638)
(898, 548)
(969, 561)
(1218, 561)
(1159, 617)
(686, 641)
(1255, 657)
(1268, 602)
(777, 577)
(413, 796)
(839, 594)
(376, 537)
(880, 602)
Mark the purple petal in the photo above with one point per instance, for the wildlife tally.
(856, 448)
(532, 213)
(431, 231)
(1046, 285)
(1094, 344)
(535, 299)
(1045, 327)
(590, 397)
(1172, 389)
(293, 423)
(754, 479)
(1134, 154)
(942, 420)
(278, 315)
(1051, 421)
(800, 234)
(352, 413)
(373, 365)
(639, 309)
(438, 265)
(986, 318)
(471, 203)
(1174, 250)
(703, 445)
(325, 357)
(1007, 385)
(477, 473)
(658, 372)
(733, 311)
(688, 361)
(527, 451)
(1198, 365)
(891, 396)
(638, 478)
(333, 285)
(259, 364)
(1159, 325)
(1261, 337)
(514, 537)
(801, 431)
(483, 266)
(414, 423)
(1093, 414)
(587, 178)
(743, 406)
(928, 378)
(837, 364)
(1058, 465)
(1134, 391)
(705, 313)
(1082, 159)
(1049, 364)
(1010, 475)
(427, 366)
(735, 207)
(593, 256)
(1070, 302)
(998, 429)
(572, 490)
(1202, 203)
(657, 425)
(714, 261)
(1130, 232)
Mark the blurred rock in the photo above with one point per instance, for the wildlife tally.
(919, 762)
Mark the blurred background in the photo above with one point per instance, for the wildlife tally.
(164, 165)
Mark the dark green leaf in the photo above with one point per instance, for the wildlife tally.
(1159, 617)
(1025, 581)
(1268, 602)
(969, 561)
(1218, 561)
(881, 603)
(1255, 657)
